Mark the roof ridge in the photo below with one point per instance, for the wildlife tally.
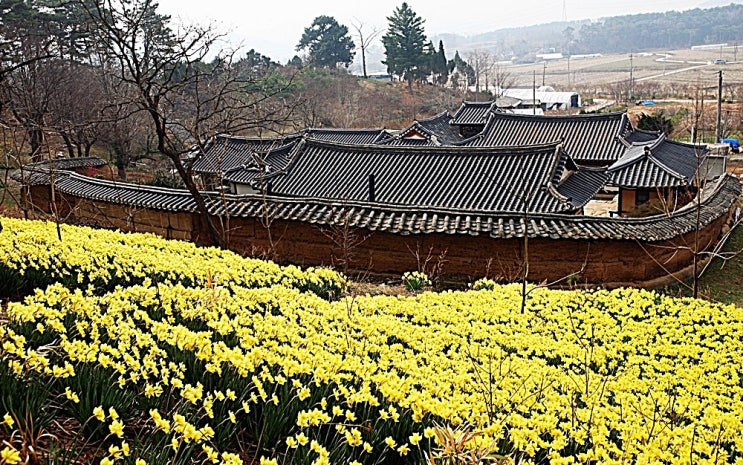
(434, 117)
(437, 149)
(309, 130)
(251, 138)
(597, 116)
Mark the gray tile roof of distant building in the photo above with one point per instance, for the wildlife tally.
(35, 173)
(662, 163)
(435, 131)
(472, 113)
(224, 152)
(640, 136)
(594, 139)
(272, 161)
(348, 136)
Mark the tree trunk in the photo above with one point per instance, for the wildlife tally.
(363, 61)
(215, 235)
(120, 160)
(36, 139)
(68, 144)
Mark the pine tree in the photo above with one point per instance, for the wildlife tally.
(405, 44)
(328, 43)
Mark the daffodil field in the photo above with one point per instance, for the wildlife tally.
(135, 350)
(32, 256)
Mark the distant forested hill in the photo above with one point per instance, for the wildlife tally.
(670, 30)
(618, 34)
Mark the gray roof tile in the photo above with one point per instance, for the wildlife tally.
(594, 139)
(662, 163)
(472, 113)
(468, 178)
(270, 162)
(224, 153)
(435, 131)
(37, 173)
(348, 136)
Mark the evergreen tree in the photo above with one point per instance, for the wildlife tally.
(405, 44)
(464, 68)
(426, 70)
(328, 43)
(440, 67)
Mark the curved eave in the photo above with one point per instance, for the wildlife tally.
(718, 199)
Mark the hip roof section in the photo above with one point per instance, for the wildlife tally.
(472, 113)
(434, 131)
(260, 164)
(663, 163)
(224, 152)
(348, 136)
(594, 139)
(486, 179)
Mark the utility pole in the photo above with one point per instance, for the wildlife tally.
(718, 127)
(544, 71)
(631, 79)
(534, 94)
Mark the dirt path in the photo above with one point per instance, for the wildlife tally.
(667, 73)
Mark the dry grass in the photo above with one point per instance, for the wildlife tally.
(682, 68)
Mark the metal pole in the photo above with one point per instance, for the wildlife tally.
(718, 128)
(534, 94)
(631, 79)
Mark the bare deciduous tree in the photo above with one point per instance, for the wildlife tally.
(364, 41)
(186, 99)
(501, 78)
(481, 61)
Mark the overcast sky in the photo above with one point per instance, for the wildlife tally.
(273, 28)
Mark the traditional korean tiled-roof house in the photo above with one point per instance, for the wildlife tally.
(592, 140)
(470, 201)
(225, 154)
(663, 171)
(539, 178)
(434, 131)
(468, 237)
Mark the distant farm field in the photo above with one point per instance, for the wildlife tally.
(666, 70)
